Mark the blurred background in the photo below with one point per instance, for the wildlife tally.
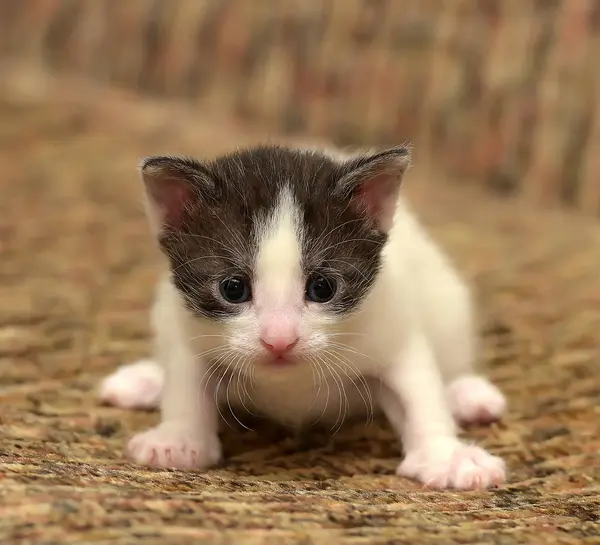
(505, 95)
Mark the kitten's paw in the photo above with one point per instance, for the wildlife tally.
(174, 445)
(475, 400)
(453, 464)
(134, 386)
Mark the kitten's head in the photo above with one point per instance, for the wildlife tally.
(275, 246)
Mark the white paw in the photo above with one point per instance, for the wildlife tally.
(475, 400)
(134, 386)
(173, 445)
(452, 464)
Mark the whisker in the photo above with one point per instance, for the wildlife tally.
(209, 351)
(225, 371)
(341, 368)
(320, 370)
(242, 384)
(339, 383)
(229, 404)
(344, 403)
(368, 401)
(204, 336)
(347, 333)
(353, 350)
(212, 369)
(316, 383)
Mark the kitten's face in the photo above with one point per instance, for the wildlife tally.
(276, 247)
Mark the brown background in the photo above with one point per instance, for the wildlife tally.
(501, 99)
(506, 94)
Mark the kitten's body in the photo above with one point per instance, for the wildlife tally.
(404, 343)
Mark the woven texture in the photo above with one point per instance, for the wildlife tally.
(76, 276)
(503, 93)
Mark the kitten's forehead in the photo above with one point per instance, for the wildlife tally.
(258, 175)
(278, 270)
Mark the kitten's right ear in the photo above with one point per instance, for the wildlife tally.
(173, 187)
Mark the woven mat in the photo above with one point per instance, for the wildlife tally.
(76, 275)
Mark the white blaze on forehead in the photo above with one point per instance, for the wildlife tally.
(278, 265)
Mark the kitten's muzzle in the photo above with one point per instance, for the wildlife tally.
(279, 347)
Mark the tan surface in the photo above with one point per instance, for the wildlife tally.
(76, 274)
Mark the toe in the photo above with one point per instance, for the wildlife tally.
(134, 386)
(173, 447)
(457, 466)
(475, 400)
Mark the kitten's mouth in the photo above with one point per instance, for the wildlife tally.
(280, 361)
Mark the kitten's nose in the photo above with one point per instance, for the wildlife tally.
(279, 345)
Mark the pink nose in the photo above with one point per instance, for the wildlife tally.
(279, 345)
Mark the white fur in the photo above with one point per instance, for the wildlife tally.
(475, 400)
(414, 337)
(278, 261)
(278, 293)
(134, 386)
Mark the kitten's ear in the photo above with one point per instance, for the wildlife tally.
(173, 186)
(373, 183)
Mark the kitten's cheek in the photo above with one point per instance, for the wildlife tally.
(242, 333)
(313, 334)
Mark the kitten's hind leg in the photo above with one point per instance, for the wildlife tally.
(134, 386)
(413, 400)
(472, 398)
(475, 400)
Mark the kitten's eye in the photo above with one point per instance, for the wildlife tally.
(235, 289)
(320, 289)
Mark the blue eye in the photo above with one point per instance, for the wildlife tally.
(320, 289)
(235, 290)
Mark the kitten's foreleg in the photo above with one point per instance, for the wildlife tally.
(413, 399)
(187, 435)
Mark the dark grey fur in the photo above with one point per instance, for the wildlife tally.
(216, 236)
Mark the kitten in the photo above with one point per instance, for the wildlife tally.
(299, 285)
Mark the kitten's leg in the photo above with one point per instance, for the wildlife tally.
(187, 435)
(134, 386)
(473, 399)
(413, 400)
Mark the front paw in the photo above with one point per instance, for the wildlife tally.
(173, 445)
(452, 464)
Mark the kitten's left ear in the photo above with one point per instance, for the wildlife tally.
(373, 183)
(174, 186)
